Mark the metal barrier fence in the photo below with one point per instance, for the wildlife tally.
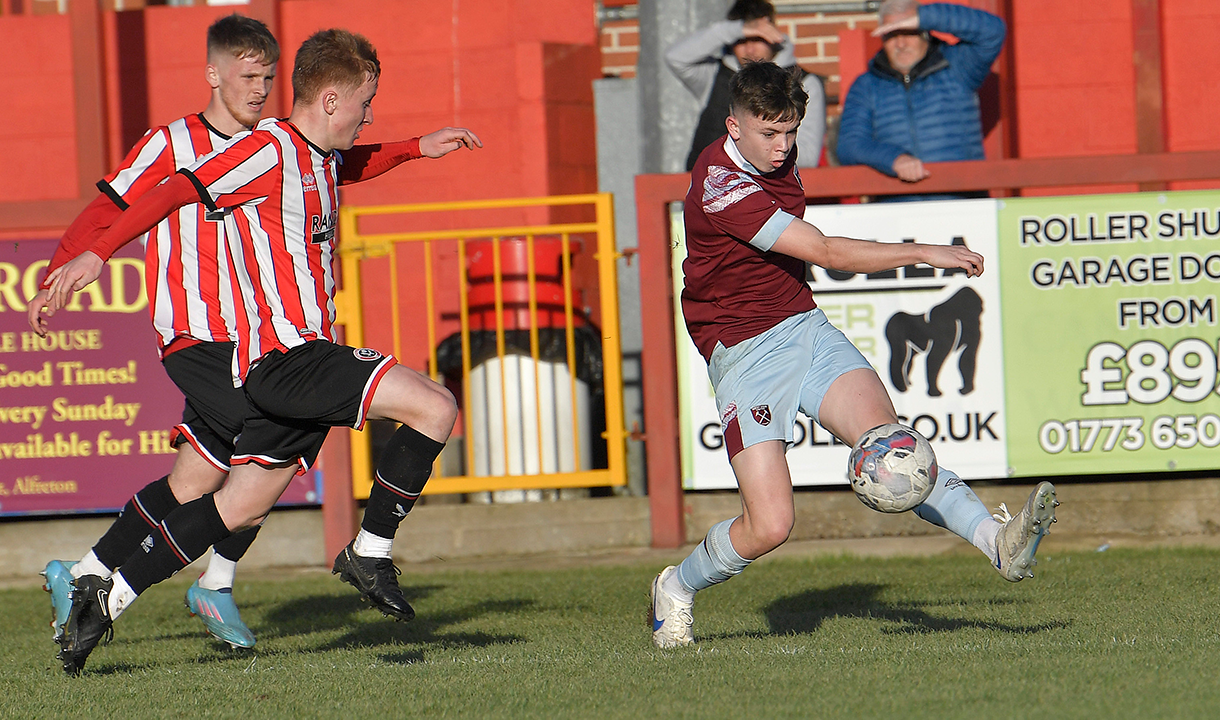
(521, 346)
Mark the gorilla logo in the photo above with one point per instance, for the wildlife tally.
(953, 325)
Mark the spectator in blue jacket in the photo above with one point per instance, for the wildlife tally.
(918, 102)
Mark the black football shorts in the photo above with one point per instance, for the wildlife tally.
(214, 411)
(308, 389)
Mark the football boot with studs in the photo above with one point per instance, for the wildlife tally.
(219, 615)
(672, 619)
(57, 580)
(376, 579)
(1018, 539)
(89, 622)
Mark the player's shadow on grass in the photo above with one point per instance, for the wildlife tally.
(805, 612)
(361, 626)
(364, 626)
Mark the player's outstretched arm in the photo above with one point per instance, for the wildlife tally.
(80, 235)
(804, 241)
(152, 207)
(446, 140)
(365, 162)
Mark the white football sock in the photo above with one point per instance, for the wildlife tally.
(90, 565)
(985, 536)
(672, 586)
(121, 596)
(369, 545)
(219, 574)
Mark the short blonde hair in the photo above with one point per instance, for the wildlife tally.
(332, 57)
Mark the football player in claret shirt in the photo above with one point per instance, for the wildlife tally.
(278, 188)
(772, 352)
(193, 313)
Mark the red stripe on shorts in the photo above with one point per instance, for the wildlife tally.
(732, 438)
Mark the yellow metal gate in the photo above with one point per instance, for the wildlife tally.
(428, 247)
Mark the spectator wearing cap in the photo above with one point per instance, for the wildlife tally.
(918, 102)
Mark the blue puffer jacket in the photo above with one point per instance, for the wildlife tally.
(932, 113)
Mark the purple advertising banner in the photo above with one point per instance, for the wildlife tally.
(86, 413)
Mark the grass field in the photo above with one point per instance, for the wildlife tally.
(1120, 634)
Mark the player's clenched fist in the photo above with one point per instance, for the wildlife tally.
(956, 256)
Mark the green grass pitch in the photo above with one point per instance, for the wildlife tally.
(1119, 634)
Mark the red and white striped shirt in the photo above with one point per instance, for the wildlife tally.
(186, 272)
(283, 195)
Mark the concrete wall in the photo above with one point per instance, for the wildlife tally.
(1183, 511)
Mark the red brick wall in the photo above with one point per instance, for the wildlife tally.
(1080, 102)
(518, 72)
(38, 126)
(495, 84)
(620, 41)
(815, 36)
(1192, 93)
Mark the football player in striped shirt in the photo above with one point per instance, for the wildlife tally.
(194, 315)
(279, 188)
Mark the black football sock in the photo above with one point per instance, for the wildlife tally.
(184, 536)
(401, 475)
(236, 545)
(142, 513)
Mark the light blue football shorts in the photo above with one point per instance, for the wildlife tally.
(760, 383)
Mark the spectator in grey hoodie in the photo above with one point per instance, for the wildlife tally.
(707, 59)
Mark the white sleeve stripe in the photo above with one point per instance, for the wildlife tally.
(180, 143)
(148, 155)
(766, 236)
(246, 172)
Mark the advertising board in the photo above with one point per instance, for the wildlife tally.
(86, 413)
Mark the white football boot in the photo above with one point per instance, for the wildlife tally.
(671, 618)
(1020, 534)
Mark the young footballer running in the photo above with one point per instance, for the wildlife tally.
(278, 186)
(752, 316)
(194, 317)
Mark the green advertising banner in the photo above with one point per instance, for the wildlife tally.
(1110, 332)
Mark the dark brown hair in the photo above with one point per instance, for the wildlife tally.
(333, 57)
(241, 36)
(747, 10)
(769, 92)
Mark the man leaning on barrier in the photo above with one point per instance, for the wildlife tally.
(918, 102)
